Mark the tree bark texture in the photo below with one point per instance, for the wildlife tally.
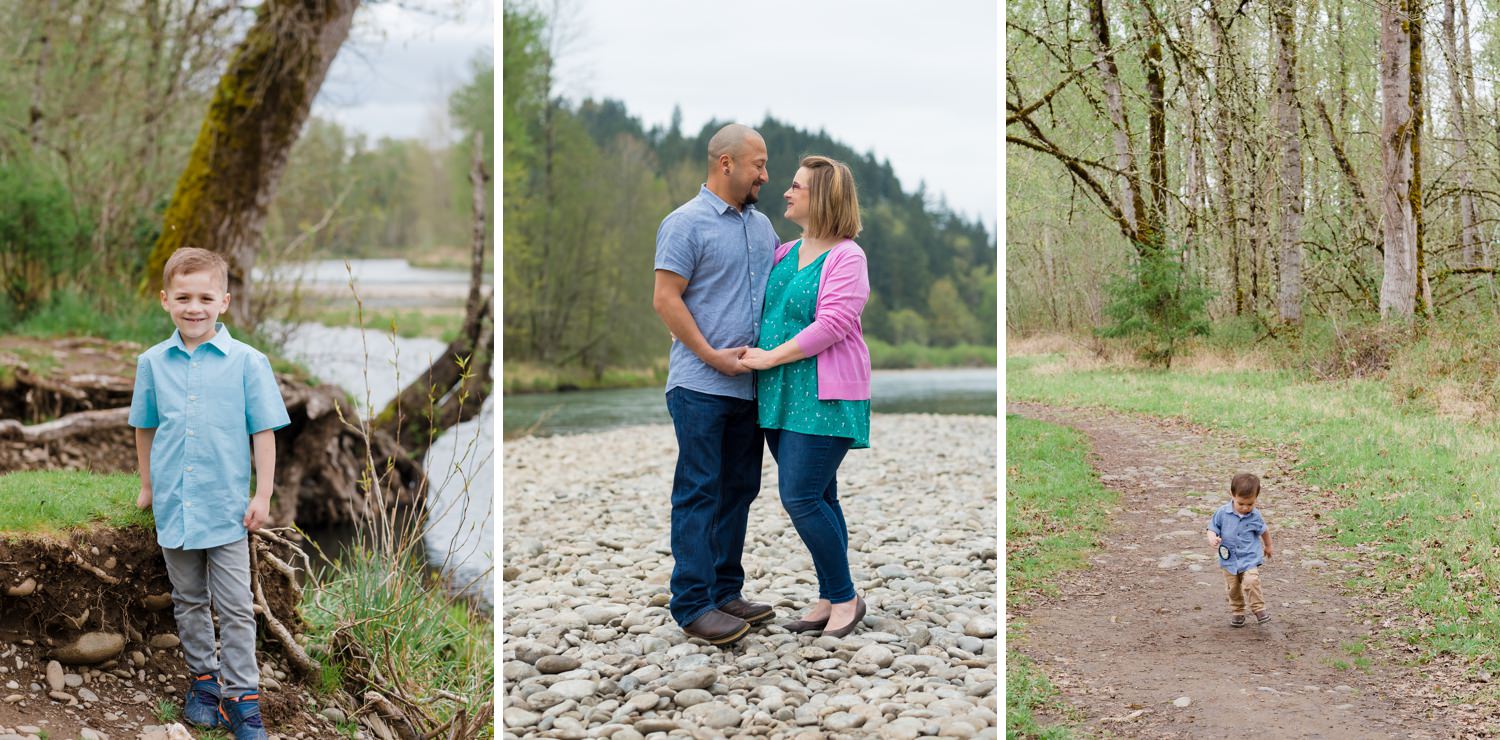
(1398, 286)
(1289, 131)
(1458, 76)
(257, 112)
(1131, 200)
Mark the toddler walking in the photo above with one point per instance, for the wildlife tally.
(1239, 531)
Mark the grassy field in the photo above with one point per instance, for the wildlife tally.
(1055, 509)
(51, 502)
(1420, 487)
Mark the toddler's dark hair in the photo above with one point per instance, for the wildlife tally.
(1244, 485)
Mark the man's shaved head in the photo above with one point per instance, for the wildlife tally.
(731, 140)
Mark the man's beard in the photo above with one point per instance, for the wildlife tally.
(751, 198)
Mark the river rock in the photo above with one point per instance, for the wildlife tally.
(518, 717)
(879, 656)
(981, 627)
(691, 697)
(656, 724)
(557, 664)
(698, 678)
(90, 648)
(713, 715)
(576, 689)
(164, 641)
(86, 695)
(55, 676)
(24, 588)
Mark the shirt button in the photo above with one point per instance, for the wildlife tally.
(192, 398)
(188, 505)
(190, 468)
(191, 433)
(195, 364)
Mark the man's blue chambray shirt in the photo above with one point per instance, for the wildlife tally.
(726, 256)
(1241, 534)
(204, 407)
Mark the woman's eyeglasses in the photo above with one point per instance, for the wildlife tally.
(798, 186)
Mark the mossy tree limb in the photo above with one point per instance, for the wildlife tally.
(257, 112)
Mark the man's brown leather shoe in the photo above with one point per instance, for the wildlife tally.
(717, 628)
(749, 611)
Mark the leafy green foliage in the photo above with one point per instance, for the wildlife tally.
(1159, 303)
(42, 234)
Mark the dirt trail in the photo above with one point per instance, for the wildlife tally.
(1148, 621)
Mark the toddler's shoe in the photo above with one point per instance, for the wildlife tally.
(1262, 617)
(202, 705)
(1237, 620)
(241, 714)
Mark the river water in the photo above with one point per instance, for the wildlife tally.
(374, 366)
(954, 391)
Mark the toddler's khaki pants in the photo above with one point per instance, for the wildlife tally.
(1242, 587)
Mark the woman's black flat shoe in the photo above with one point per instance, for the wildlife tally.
(846, 630)
(803, 625)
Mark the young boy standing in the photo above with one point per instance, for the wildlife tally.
(1239, 531)
(202, 400)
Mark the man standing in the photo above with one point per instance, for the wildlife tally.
(712, 257)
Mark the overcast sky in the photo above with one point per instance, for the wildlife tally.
(915, 83)
(403, 59)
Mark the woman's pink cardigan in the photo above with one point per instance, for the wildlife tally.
(835, 336)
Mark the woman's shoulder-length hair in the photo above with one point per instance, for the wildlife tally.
(833, 199)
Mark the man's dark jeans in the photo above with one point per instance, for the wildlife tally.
(719, 448)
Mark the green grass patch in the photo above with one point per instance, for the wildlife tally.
(1055, 509)
(51, 502)
(440, 324)
(1055, 506)
(531, 378)
(1420, 488)
(397, 613)
(908, 355)
(116, 313)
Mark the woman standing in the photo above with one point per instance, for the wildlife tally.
(813, 379)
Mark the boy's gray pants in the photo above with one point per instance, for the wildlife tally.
(220, 575)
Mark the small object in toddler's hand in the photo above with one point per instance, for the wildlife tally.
(1223, 552)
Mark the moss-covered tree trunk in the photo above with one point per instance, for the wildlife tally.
(256, 115)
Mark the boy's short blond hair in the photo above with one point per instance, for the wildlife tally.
(192, 259)
(833, 201)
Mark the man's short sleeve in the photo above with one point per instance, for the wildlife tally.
(143, 398)
(264, 408)
(674, 246)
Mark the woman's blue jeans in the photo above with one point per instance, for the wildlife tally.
(718, 476)
(807, 473)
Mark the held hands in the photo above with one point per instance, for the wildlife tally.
(258, 514)
(143, 501)
(727, 361)
(757, 359)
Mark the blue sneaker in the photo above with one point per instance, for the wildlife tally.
(202, 705)
(241, 714)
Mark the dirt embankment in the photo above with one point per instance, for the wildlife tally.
(88, 641)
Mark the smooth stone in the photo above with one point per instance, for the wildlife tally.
(567, 728)
(655, 724)
(89, 734)
(157, 602)
(516, 670)
(698, 678)
(164, 641)
(530, 652)
(1182, 702)
(86, 695)
(843, 721)
(63, 696)
(90, 648)
(578, 688)
(691, 697)
(713, 715)
(333, 714)
(970, 644)
(892, 571)
(24, 588)
(557, 664)
(982, 627)
(55, 676)
(904, 728)
(73, 680)
(878, 655)
(599, 615)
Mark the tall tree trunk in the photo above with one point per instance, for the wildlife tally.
(256, 115)
(1288, 124)
(1131, 200)
(1468, 229)
(1230, 151)
(1414, 12)
(1399, 285)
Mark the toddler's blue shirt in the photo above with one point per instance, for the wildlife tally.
(1241, 534)
(204, 406)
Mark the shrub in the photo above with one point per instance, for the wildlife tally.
(1159, 303)
(43, 238)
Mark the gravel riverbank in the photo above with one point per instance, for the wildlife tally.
(590, 650)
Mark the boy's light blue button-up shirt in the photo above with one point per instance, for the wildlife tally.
(204, 406)
(1241, 534)
(726, 255)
